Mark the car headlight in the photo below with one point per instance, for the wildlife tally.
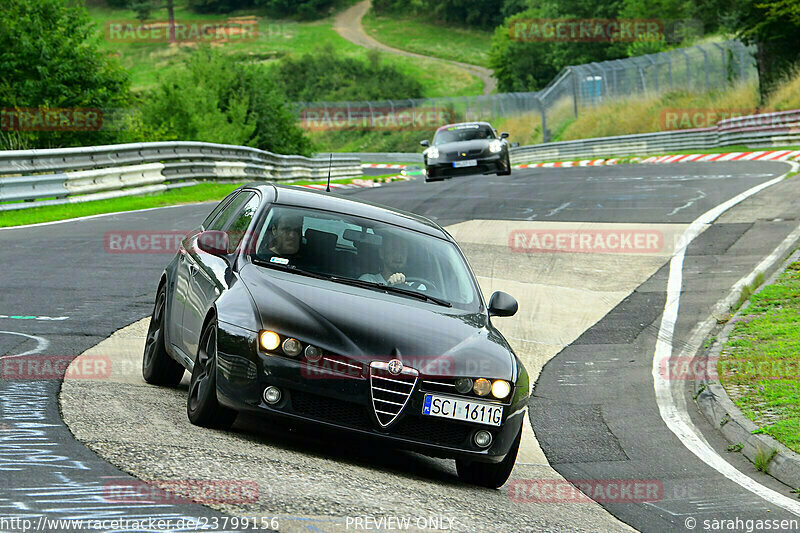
(482, 386)
(500, 389)
(433, 153)
(292, 347)
(495, 146)
(463, 385)
(269, 340)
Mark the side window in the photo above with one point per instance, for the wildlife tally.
(241, 222)
(225, 216)
(217, 209)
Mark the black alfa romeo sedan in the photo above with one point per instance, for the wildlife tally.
(303, 304)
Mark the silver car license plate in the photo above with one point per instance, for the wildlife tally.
(465, 163)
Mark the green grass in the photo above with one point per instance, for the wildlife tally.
(763, 359)
(423, 36)
(147, 62)
(203, 192)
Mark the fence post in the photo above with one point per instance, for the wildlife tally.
(722, 56)
(574, 81)
(705, 64)
(688, 69)
(545, 132)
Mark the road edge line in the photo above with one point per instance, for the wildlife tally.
(672, 408)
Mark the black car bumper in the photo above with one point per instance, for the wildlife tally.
(344, 402)
(486, 165)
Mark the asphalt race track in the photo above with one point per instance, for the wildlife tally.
(594, 411)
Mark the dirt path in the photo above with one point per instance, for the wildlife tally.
(348, 25)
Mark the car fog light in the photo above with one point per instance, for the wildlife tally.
(269, 340)
(500, 389)
(482, 438)
(272, 395)
(313, 354)
(482, 387)
(463, 385)
(292, 347)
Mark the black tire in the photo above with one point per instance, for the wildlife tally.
(506, 172)
(202, 405)
(158, 368)
(491, 475)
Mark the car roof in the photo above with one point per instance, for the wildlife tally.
(462, 123)
(303, 197)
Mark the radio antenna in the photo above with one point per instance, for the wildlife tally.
(330, 163)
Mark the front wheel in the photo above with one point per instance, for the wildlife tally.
(202, 406)
(507, 171)
(491, 475)
(158, 368)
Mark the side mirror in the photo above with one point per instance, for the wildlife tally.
(213, 242)
(502, 304)
(504, 135)
(425, 143)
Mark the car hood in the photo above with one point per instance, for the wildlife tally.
(369, 325)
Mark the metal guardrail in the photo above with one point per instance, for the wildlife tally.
(755, 131)
(71, 175)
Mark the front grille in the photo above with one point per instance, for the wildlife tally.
(470, 154)
(390, 390)
(433, 430)
(329, 410)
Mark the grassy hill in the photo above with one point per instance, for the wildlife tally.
(276, 38)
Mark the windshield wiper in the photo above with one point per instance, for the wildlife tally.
(390, 288)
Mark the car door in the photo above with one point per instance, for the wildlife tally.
(180, 287)
(207, 273)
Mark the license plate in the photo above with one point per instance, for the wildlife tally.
(466, 410)
(465, 163)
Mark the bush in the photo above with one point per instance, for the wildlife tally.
(50, 59)
(216, 100)
(324, 76)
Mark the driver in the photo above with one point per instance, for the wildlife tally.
(285, 236)
(393, 254)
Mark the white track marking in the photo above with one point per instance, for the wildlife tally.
(677, 419)
(41, 344)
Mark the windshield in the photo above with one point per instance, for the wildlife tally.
(463, 132)
(354, 248)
